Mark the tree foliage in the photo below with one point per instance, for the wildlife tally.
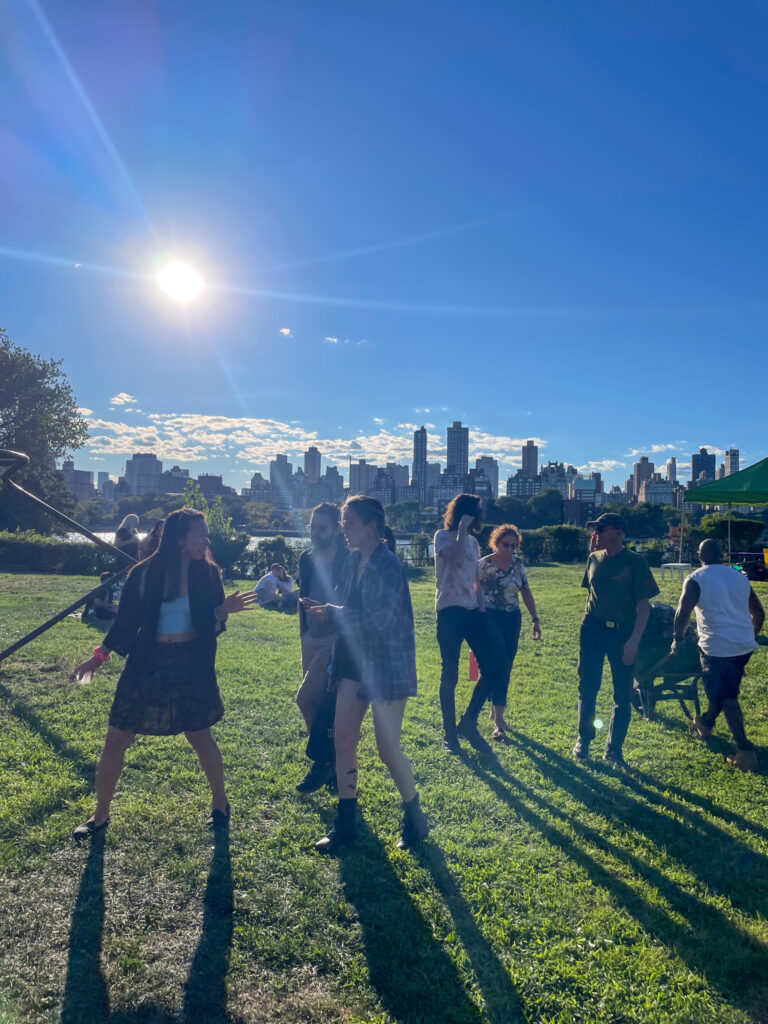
(38, 416)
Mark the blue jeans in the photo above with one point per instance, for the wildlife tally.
(454, 626)
(598, 641)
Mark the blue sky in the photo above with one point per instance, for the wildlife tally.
(545, 219)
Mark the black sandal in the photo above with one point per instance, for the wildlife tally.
(88, 829)
(218, 819)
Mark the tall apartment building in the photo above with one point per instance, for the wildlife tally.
(557, 476)
(419, 469)
(702, 468)
(79, 482)
(732, 461)
(458, 450)
(361, 477)
(642, 471)
(672, 470)
(143, 473)
(530, 466)
(489, 467)
(312, 464)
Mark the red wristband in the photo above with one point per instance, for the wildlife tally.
(100, 656)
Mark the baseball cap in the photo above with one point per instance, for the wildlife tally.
(608, 519)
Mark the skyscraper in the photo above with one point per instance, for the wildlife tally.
(732, 461)
(419, 469)
(672, 470)
(530, 465)
(312, 464)
(489, 467)
(702, 468)
(458, 449)
(643, 470)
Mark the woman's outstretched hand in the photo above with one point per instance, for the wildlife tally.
(84, 673)
(237, 602)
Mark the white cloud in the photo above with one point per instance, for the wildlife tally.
(331, 341)
(286, 332)
(654, 449)
(83, 411)
(123, 398)
(379, 420)
(601, 466)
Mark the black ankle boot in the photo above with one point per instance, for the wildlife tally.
(344, 830)
(415, 825)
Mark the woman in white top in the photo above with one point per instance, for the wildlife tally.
(460, 611)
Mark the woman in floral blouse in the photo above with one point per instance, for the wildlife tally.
(503, 579)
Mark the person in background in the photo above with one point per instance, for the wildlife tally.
(619, 587)
(151, 542)
(276, 590)
(460, 612)
(374, 664)
(321, 569)
(504, 580)
(127, 537)
(729, 616)
(104, 605)
(172, 610)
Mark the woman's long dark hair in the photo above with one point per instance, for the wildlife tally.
(163, 568)
(371, 510)
(463, 505)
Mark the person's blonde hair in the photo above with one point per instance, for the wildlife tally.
(505, 530)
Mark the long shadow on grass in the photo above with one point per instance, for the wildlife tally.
(501, 1003)
(720, 860)
(86, 1000)
(415, 980)
(733, 963)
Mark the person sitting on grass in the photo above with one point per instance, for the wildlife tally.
(172, 609)
(103, 605)
(374, 663)
(729, 616)
(276, 590)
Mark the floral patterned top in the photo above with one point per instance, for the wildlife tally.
(502, 586)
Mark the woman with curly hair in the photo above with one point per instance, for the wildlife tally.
(504, 581)
(171, 611)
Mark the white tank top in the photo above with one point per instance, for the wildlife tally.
(722, 613)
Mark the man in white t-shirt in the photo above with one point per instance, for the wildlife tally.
(460, 614)
(276, 589)
(729, 616)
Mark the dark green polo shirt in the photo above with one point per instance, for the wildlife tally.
(616, 584)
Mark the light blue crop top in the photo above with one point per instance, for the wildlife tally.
(175, 616)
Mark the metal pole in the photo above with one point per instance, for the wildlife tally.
(682, 531)
(729, 535)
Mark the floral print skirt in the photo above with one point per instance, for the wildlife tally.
(172, 690)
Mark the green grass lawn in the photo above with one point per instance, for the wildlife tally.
(548, 892)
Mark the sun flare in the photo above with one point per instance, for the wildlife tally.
(180, 281)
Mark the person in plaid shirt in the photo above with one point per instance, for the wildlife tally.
(374, 663)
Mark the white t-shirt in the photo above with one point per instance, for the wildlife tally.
(456, 583)
(269, 585)
(722, 613)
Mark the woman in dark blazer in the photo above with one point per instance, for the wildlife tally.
(171, 611)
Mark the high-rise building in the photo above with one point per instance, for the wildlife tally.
(530, 466)
(672, 470)
(557, 476)
(702, 468)
(79, 482)
(458, 450)
(419, 469)
(312, 464)
(361, 477)
(397, 474)
(143, 473)
(280, 474)
(489, 467)
(102, 479)
(732, 461)
(643, 470)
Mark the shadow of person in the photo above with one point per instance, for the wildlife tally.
(501, 1004)
(85, 998)
(409, 970)
(205, 991)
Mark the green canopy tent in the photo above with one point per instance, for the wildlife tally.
(747, 487)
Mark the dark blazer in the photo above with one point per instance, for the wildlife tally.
(135, 627)
(307, 568)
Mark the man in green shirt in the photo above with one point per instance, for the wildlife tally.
(619, 585)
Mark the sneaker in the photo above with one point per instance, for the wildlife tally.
(580, 750)
(699, 729)
(744, 760)
(614, 757)
(467, 728)
(451, 743)
(319, 775)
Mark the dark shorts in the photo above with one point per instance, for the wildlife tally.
(173, 690)
(722, 676)
(344, 662)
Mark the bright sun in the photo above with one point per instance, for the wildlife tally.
(180, 281)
